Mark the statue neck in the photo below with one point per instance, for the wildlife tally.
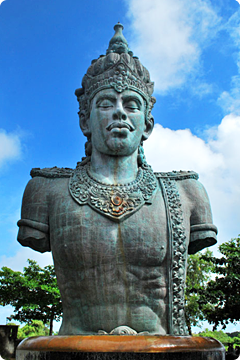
(114, 169)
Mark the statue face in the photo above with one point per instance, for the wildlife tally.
(117, 122)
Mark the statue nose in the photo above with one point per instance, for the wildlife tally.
(119, 114)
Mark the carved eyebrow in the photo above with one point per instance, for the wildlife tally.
(105, 97)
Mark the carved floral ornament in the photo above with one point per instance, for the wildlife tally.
(120, 77)
(177, 255)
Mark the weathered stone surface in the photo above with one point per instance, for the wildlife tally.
(8, 341)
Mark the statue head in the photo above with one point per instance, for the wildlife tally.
(118, 71)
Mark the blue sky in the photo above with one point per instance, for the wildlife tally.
(192, 50)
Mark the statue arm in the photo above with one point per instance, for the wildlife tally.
(33, 226)
(202, 231)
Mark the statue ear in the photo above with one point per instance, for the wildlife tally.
(149, 124)
(83, 122)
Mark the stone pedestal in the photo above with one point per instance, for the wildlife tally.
(8, 341)
(123, 347)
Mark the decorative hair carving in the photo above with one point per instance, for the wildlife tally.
(118, 69)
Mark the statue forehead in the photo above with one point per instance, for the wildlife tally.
(113, 94)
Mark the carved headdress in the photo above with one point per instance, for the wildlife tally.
(118, 69)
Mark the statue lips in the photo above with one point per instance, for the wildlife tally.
(120, 125)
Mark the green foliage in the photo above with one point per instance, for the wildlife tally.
(34, 294)
(34, 328)
(223, 293)
(236, 340)
(225, 338)
(198, 273)
(234, 334)
(218, 335)
(215, 300)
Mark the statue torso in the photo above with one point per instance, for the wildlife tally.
(113, 273)
(109, 273)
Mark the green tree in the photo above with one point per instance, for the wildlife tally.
(235, 335)
(198, 274)
(34, 294)
(218, 335)
(236, 340)
(223, 293)
(34, 328)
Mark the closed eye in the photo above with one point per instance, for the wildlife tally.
(105, 104)
(132, 105)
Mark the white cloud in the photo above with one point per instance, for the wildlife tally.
(10, 147)
(18, 261)
(216, 160)
(232, 26)
(180, 148)
(1, 1)
(230, 100)
(169, 36)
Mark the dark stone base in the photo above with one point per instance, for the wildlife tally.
(120, 348)
(200, 355)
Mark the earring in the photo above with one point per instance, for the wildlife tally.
(141, 157)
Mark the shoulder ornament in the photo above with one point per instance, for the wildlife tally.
(53, 172)
(177, 175)
(177, 250)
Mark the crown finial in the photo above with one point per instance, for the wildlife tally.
(118, 44)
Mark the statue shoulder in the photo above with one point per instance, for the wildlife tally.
(52, 173)
(41, 182)
(187, 185)
(193, 194)
(177, 175)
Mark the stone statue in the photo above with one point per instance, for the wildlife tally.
(119, 233)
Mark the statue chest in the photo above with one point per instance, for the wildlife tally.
(83, 238)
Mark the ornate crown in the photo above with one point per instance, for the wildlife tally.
(118, 69)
